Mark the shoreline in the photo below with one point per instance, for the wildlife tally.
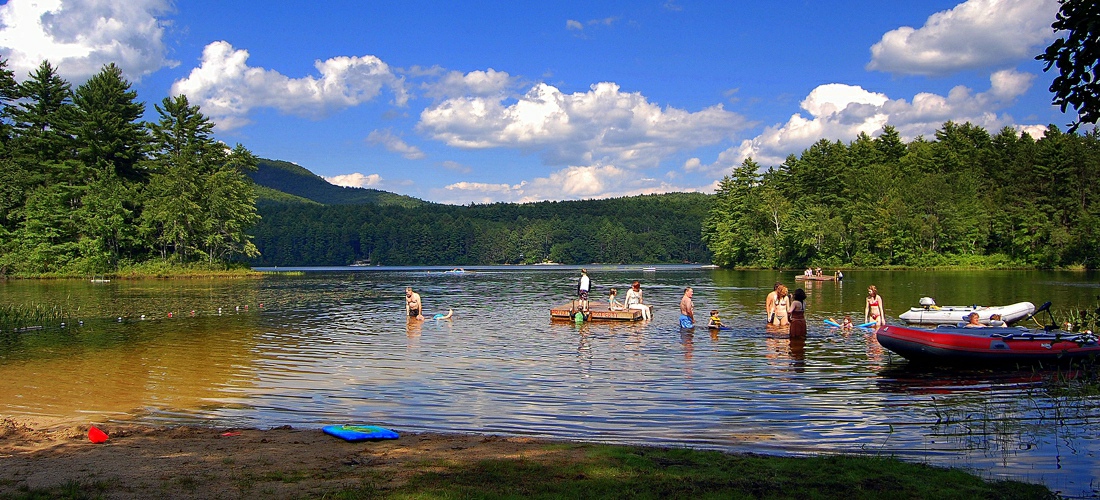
(198, 462)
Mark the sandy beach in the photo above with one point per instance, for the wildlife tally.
(189, 462)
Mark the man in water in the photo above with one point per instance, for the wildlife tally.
(412, 304)
(770, 303)
(687, 310)
(583, 287)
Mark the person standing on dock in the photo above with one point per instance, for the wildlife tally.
(413, 307)
(687, 310)
(584, 285)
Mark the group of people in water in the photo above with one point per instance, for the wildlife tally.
(783, 308)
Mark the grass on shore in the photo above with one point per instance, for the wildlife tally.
(154, 269)
(608, 471)
(632, 472)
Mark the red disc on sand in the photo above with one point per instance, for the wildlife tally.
(96, 436)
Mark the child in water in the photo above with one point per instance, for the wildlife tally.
(450, 313)
(847, 324)
(715, 321)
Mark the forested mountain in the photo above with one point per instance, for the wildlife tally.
(85, 187)
(653, 228)
(293, 179)
(965, 198)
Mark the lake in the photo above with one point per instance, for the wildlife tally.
(331, 345)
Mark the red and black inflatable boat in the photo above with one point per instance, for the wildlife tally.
(993, 345)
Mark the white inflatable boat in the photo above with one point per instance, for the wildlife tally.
(931, 314)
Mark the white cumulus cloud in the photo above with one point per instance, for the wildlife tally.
(601, 126)
(228, 89)
(80, 37)
(570, 183)
(355, 180)
(395, 144)
(976, 34)
(488, 83)
(840, 112)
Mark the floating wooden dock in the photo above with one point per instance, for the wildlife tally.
(599, 312)
(803, 277)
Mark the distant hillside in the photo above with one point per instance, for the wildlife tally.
(294, 180)
(268, 196)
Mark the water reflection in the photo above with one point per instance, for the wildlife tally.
(336, 347)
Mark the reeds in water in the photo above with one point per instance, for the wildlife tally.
(14, 318)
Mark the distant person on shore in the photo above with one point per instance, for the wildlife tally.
(873, 310)
(413, 306)
(769, 304)
(782, 300)
(687, 310)
(797, 312)
(584, 285)
(612, 303)
(634, 301)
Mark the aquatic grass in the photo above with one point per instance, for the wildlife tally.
(14, 318)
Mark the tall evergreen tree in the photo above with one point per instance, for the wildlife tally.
(106, 124)
(111, 144)
(184, 152)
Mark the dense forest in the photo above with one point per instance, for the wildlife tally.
(86, 187)
(965, 198)
(652, 228)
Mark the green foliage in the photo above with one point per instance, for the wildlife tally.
(86, 188)
(1076, 56)
(654, 228)
(965, 199)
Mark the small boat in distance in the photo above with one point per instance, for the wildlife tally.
(649, 269)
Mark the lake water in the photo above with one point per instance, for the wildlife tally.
(332, 346)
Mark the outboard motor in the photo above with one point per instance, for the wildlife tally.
(927, 302)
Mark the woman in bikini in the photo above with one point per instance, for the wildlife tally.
(873, 311)
(782, 300)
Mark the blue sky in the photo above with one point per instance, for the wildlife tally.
(476, 102)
